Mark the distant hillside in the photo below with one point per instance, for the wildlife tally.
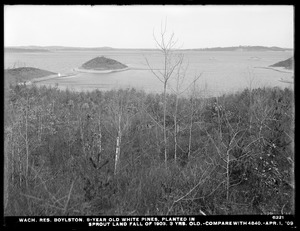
(102, 63)
(63, 48)
(79, 48)
(53, 48)
(287, 64)
(246, 48)
(22, 74)
(24, 50)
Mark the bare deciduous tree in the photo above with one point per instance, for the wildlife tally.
(171, 61)
(122, 111)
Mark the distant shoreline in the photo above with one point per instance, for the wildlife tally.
(63, 48)
(283, 70)
(99, 71)
(286, 81)
(36, 80)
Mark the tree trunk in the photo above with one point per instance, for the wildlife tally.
(82, 136)
(219, 119)
(27, 141)
(250, 108)
(20, 166)
(7, 172)
(176, 129)
(227, 176)
(99, 140)
(190, 131)
(118, 147)
(165, 133)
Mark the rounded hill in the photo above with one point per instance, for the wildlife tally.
(21, 74)
(287, 64)
(103, 63)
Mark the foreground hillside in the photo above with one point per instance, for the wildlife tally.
(227, 155)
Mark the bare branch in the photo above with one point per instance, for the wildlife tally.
(193, 82)
(169, 74)
(201, 181)
(69, 196)
(158, 44)
(153, 72)
(153, 119)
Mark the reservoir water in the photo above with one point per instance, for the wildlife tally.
(221, 72)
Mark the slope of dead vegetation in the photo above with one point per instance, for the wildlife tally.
(60, 153)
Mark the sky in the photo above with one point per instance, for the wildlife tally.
(134, 26)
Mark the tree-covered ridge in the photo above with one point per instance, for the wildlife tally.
(25, 50)
(60, 151)
(247, 48)
(62, 48)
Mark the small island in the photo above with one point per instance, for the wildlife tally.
(102, 65)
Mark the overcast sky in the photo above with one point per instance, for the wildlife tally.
(133, 26)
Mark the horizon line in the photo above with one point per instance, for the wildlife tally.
(144, 48)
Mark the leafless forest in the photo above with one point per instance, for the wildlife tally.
(127, 152)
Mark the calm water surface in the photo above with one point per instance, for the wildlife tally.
(221, 72)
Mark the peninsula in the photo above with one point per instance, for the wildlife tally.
(287, 64)
(25, 74)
